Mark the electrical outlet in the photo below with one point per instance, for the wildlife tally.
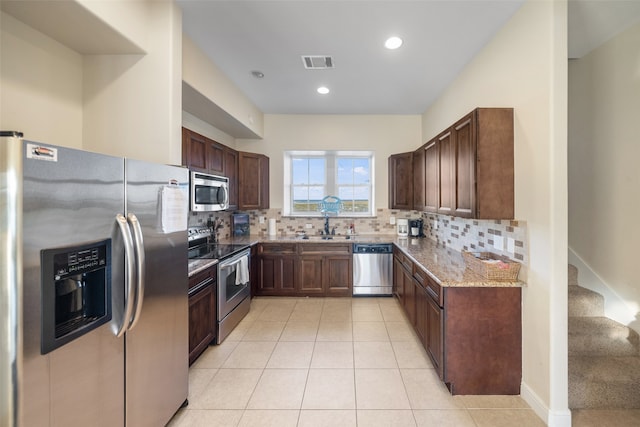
(498, 243)
(261, 219)
(511, 245)
(435, 224)
(392, 220)
(308, 226)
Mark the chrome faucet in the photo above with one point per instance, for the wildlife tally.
(326, 225)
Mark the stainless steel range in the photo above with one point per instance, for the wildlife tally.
(234, 287)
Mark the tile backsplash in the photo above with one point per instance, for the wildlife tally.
(457, 233)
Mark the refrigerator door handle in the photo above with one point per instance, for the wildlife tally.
(140, 267)
(130, 268)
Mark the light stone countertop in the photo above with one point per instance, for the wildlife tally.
(446, 266)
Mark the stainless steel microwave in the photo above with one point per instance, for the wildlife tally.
(209, 192)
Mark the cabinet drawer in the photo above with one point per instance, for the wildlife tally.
(420, 275)
(406, 262)
(325, 248)
(434, 290)
(277, 248)
(210, 275)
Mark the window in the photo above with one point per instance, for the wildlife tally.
(312, 175)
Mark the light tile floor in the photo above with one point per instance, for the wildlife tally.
(340, 362)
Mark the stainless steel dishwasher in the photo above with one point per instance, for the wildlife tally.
(372, 268)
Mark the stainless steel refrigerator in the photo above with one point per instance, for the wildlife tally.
(94, 288)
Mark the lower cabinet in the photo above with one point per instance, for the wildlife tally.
(304, 269)
(473, 335)
(202, 312)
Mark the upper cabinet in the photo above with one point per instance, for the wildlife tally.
(465, 171)
(253, 180)
(401, 181)
(248, 173)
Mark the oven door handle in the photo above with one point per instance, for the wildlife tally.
(129, 297)
(233, 263)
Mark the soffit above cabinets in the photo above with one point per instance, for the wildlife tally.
(193, 102)
(71, 24)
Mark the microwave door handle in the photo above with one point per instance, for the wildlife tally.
(129, 297)
(226, 196)
(140, 268)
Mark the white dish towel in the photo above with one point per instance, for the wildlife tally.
(242, 272)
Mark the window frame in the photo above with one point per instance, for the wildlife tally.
(331, 179)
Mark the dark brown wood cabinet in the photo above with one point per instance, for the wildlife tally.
(248, 173)
(277, 269)
(466, 171)
(431, 176)
(401, 181)
(471, 334)
(419, 179)
(304, 269)
(231, 172)
(202, 312)
(476, 168)
(253, 181)
(201, 153)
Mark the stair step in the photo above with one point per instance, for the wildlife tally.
(601, 336)
(584, 302)
(604, 382)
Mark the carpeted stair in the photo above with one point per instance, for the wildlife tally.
(604, 355)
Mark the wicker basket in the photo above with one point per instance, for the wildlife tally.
(492, 266)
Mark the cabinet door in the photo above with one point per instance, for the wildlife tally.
(338, 272)
(253, 181)
(464, 185)
(264, 182)
(215, 157)
(277, 275)
(434, 338)
(194, 150)
(401, 181)
(202, 321)
(431, 176)
(231, 172)
(310, 280)
(446, 157)
(409, 296)
(398, 280)
(419, 179)
(421, 312)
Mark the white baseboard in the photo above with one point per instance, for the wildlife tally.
(551, 418)
(614, 307)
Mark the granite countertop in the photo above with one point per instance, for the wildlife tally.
(446, 266)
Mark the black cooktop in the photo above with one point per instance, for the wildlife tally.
(215, 250)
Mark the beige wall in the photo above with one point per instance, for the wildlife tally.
(195, 124)
(40, 86)
(383, 134)
(123, 105)
(132, 103)
(524, 67)
(604, 178)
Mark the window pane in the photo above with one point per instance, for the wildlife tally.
(353, 170)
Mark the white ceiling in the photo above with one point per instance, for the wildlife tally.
(440, 38)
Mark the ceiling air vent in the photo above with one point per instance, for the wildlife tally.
(317, 62)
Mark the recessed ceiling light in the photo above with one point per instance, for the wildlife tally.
(257, 74)
(393, 42)
(323, 90)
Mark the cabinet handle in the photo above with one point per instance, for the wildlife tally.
(433, 294)
(200, 286)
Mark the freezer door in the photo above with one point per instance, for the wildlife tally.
(157, 342)
(70, 197)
